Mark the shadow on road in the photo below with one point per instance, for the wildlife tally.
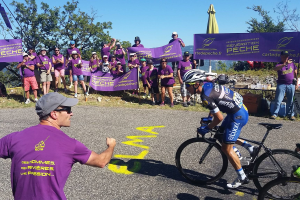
(185, 196)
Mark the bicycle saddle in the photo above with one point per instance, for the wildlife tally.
(271, 126)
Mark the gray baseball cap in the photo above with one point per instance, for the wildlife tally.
(51, 101)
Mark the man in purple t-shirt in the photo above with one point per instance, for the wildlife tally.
(175, 38)
(42, 156)
(58, 61)
(120, 55)
(44, 63)
(137, 42)
(27, 69)
(105, 48)
(33, 57)
(69, 57)
(287, 72)
(184, 66)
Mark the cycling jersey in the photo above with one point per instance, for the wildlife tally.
(219, 98)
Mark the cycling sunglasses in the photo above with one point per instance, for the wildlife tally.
(68, 109)
(189, 84)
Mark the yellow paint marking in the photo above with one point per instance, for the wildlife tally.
(241, 194)
(148, 129)
(135, 139)
(140, 156)
(122, 169)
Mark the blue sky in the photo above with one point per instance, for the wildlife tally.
(155, 20)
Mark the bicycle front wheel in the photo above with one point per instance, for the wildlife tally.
(265, 170)
(281, 188)
(201, 162)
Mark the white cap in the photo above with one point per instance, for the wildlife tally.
(118, 43)
(94, 53)
(118, 62)
(74, 52)
(174, 33)
(105, 56)
(132, 54)
(25, 54)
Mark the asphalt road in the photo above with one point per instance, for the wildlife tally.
(140, 172)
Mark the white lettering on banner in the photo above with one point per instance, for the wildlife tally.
(232, 133)
(227, 104)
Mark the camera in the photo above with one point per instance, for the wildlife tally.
(294, 81)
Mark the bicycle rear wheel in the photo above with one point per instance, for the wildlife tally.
(265, 171)
(281, 188)
(201, 162)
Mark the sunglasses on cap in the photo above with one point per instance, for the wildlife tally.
(68, 109)
(189, 84)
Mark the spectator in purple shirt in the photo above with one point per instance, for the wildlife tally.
(120, 68)
(175, 38)
(165, 74)
(27, 68)
(287, 72)
(152, 82)
(69, 57)
(94, 63)
(44, 63)
(113, 65)
(133, 62)
(32, 55)
(120, 56)
(42, 156)
(105, 48)
(184, 66)
(143, 70)
(59, 68)
(137, 42)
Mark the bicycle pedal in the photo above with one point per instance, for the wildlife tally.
(246, 181)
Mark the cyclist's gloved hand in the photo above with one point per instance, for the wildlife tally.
(206, 119)
(203, 130)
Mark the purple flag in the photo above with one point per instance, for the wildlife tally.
(246, 46)
(4, 16)
(11, 50)
(85, 68)
(171, 52)
(107, 82)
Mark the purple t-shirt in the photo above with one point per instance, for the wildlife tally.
(76, 68)
(152, 77)
(69, 52)
(58, 66)
(33, 54)
(176, 39)
(286, 74)
(134, 62)
(46, 60)
(140, 45)
(105, 51)
(41, 161)
(120, 56)
(167, 71)
(184, 67)
(114, 68)
(143, 73)
(94, 64)
(27, 72)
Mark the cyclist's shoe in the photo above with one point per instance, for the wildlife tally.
(237, 183)
(255, 149)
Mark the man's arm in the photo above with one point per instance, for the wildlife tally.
(102, 159)
(218, 117)
(31, 67)
(279, 67)
(113, 44)
(182, 43)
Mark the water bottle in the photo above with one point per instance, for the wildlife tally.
(237, 152)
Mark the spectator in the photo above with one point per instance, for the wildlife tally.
(286, 71)
(32, 55)
(94, 63)
(143, 70)
(120, 56)
(42, 156)
(105, 65)
(120, 68)
(27, 68)
(113, 65)
(165, 73)
(133, 62)
(175, 38)
(184, 66)
(69, 57)
(76, 65)
(58, 61)
(152, 81)
(44, 63)
(105, 48)
(137, 42)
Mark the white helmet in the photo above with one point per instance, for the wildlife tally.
(194, 75)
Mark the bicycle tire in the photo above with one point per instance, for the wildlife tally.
(196, 177)
(265, 191)
(285, 164)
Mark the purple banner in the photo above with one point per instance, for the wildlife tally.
(4, 16)
(171, 52)
(11, 50)
(85, 68)
(107, 82)
(246, 46)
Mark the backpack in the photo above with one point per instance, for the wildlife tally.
(3, 91)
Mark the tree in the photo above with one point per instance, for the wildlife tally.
(290, 17)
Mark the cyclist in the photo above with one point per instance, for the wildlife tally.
(219, 99)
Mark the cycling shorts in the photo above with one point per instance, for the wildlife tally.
(233, 124)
